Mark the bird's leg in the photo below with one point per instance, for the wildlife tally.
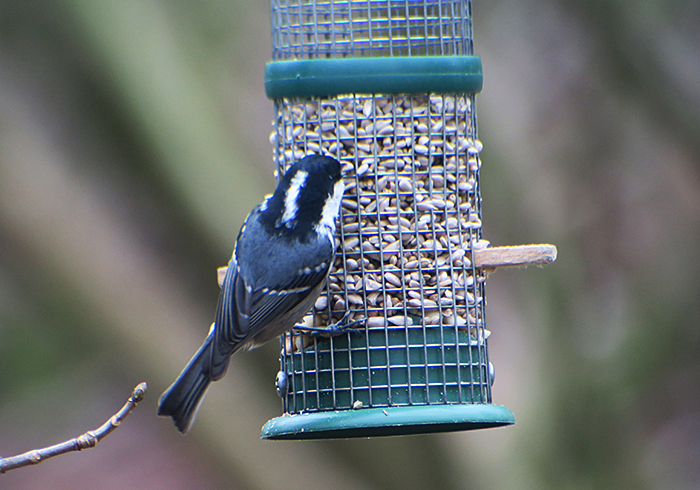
(338, 328)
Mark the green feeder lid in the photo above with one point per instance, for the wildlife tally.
(396, 75)
(390, 421)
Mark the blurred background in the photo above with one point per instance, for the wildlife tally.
(134, 140)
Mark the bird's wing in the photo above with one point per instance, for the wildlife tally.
(273, 303)
(232, 321)
(243, 311)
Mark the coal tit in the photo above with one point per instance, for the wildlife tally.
(281, 259)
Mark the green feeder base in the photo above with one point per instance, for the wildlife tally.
(390, 421)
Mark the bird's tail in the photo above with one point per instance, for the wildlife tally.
(181, 401)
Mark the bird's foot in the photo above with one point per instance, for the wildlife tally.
(333, 330)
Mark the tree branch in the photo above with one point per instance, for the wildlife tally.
(84, 441)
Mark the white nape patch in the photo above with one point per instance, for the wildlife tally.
(263, 206)
(330, 211)
(290, 198)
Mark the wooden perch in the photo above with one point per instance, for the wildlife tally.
(491, 258)
(220, 274)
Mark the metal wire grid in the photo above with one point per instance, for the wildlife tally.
(411, 216)
(336, 375)
(366, 28)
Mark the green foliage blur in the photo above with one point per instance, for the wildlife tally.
(134, 140)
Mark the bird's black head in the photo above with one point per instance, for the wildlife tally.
(307, 197)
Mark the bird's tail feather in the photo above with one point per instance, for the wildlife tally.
(181, 401)
(220, 358)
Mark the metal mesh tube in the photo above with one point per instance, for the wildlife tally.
(410, 219)
(303, 29)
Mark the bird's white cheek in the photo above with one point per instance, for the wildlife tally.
(332, 206)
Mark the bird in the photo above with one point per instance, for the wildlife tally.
(280, 262)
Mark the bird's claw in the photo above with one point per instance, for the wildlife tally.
(334, 329)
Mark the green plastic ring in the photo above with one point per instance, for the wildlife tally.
(390, 421)
(391, 76)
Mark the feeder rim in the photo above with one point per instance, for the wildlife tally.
(389, 421)
(391, 76)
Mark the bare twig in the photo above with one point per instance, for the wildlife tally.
(87, 440)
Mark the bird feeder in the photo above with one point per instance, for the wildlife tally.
(387, 88)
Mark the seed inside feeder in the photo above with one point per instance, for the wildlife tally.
(408, 213)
